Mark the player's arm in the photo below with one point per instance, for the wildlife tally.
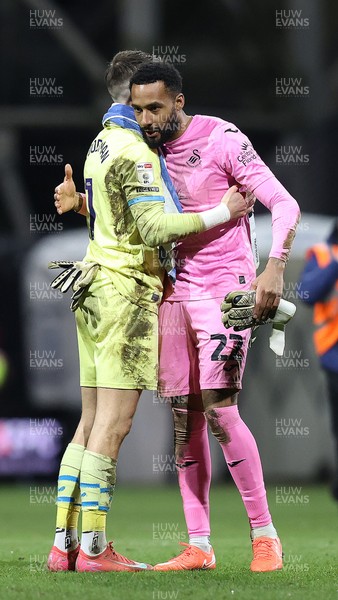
(285, 217)
(67, 198)
(240, 160)
(142, 186)
(157, 227)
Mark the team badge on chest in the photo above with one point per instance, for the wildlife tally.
(194, 159)
(145, 173)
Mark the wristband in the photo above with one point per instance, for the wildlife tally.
(80, 202)
(215, 216)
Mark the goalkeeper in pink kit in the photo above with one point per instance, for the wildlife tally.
(201, 363)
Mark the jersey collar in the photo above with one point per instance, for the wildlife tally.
(122, 115)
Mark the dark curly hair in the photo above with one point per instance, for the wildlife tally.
(152, 72)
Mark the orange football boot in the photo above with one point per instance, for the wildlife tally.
(62, 561)
(108, 560)
(267, 554)
(191, 558)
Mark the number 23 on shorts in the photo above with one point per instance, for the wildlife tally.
(235, 355)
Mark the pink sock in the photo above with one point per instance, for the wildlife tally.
(194, 468)
(242, 457)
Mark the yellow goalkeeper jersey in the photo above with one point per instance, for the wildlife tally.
(126, 209)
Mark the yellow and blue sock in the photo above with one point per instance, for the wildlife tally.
(97, 483)
(68, 498)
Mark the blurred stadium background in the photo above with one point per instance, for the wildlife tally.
(269, 66)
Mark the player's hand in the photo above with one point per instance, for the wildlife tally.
(238, 205)
(251, 199)
(75, 274)
(269, 288)
(65, 196)
(237, 310)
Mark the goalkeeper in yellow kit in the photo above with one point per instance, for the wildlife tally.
(116, 318)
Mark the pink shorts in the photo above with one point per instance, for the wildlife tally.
(196, 351)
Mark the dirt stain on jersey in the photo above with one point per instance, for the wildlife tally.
(122, 220)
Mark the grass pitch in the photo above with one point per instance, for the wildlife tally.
(147, 524)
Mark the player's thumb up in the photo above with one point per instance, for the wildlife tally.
(68, 172)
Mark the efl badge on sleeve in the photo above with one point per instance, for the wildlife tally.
(145, 173)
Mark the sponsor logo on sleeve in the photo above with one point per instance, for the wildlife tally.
(247, 154)
(148, 189)
(145, 173)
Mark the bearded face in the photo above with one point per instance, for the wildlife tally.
(157, 134)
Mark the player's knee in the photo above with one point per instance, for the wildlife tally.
(121, 429)
(220, 433)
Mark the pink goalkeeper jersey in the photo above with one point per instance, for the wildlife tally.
(211, 156)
